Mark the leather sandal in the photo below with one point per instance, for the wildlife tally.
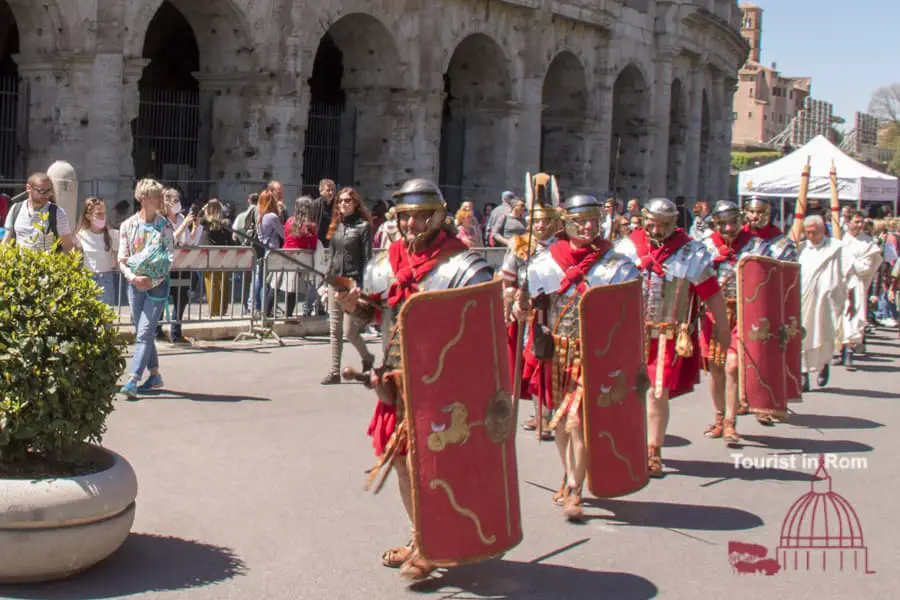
(416, 568)
(572, 506)
(393, 558)
(560, 496)
(765, 420)
(715, 430)
(743, 409)
(655, 463)
(530, 424)
(730, 433)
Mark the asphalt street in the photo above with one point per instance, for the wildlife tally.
(251, 477)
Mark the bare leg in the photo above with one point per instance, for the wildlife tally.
(562, 444)
(717, 392)
(657, 423)
(575, 467)
(395, 557)
(730, 434)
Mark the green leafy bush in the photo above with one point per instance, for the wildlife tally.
(60, 358)
(747, 160)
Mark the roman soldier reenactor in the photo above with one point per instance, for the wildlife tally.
(677, 271)
(586, 335)
(727, 243)
(757, 222)
(542, 200)
(443, 364)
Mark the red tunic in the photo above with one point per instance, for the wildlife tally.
(409, 271)
(680, 374)
(726, 253)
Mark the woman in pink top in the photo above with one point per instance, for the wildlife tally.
(300, 233)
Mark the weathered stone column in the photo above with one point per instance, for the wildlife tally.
(598, 153)
(106, 143)
(692, 163)
(415, 138)
(658, 157)
(59, 112)
(524, 128)
(132, 71)
(718, 170)
(729, 86)
(373, 161)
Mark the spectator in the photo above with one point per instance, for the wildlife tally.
(350, 234)
(620, 229)
(146, 242)
(218, 284)
(498, 215)
(270, 231)
(510, 225)
(485, 218)
(278, 190)
(37, 223)
(100, 246)
(300, 233)
(322, 209)
(469, 230)
(180, 281)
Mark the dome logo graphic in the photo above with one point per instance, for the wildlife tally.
(821, 532)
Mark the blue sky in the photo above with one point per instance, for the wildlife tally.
(848, 48)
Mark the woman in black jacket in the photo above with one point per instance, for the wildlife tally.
(349, 251)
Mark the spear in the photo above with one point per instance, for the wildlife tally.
(836, 232)
(800, 209)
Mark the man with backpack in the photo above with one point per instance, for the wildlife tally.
(38, 223)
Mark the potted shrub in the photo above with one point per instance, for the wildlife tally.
(65, 502)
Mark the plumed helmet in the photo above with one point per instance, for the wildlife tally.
(725, 210)
(582, 205)
(541, 196)
(419, 194)
(661, 209)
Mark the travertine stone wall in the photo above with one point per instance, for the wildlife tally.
(537, 84)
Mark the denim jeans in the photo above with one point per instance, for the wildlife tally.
(107, 283)
(145, 314)
(256, 302)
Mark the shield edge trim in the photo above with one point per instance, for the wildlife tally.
(742, 385)
(411, 445)
(584, 405)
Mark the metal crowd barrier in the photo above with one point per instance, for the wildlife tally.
(217, 284)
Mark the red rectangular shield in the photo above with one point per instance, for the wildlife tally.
(614, 380)
(769, 333)
(462, 449)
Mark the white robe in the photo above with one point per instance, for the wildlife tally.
(860, 259)
(824, 296)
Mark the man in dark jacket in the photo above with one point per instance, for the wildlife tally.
(321, 210)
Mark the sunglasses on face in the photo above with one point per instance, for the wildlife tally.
(43, 191)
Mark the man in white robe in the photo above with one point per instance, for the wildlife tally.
(824, 298)
(861, 257)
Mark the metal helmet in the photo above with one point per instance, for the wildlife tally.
(664, 212)
(579, 208)
(725, 210)
(541, 196)
(755, 203)
(419, 194)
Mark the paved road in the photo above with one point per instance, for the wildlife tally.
(251, 480)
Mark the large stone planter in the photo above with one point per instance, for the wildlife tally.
(54, 528)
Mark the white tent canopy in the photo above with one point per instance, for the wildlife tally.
(781, 178)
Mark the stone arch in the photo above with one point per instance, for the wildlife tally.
(167, 129)
(705, 143)
(678, 118)
(10, 164)
(222, 32)
(477, 92)
(564, 101)
(357, 74)
(630, 138)
(46, 26)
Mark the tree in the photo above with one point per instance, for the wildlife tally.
(885, 104)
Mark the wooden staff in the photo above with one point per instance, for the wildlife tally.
(836, 232)
(800, 209)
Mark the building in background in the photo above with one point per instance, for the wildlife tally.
(766, 101)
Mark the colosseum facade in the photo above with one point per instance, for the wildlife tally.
(631, 97)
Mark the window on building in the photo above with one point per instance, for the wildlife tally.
(749, 115)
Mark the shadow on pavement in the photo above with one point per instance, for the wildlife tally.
(832, 422)
(675, 516)
(807, 446)
(675, 441)
(865, 368)
(145, 563)
(501, 579)
(198, 397)
(861, 393)
(727, 470)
